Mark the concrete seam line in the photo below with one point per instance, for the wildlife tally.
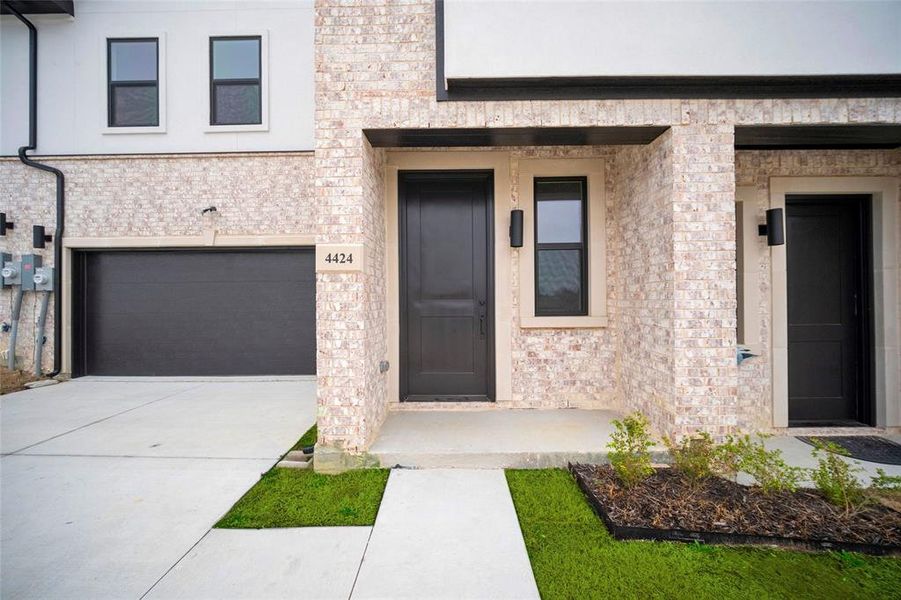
(360, 566)
(53, 437)
(175, 564)
(368, 538)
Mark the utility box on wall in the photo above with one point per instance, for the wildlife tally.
(30, 262)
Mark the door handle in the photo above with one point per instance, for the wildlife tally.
(482, 318)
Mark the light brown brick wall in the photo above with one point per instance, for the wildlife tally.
(151, 196)
(375, 68)
(645, 341)
(561, 368)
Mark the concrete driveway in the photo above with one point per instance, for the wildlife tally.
(106, 483)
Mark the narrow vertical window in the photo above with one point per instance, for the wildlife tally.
(561, 259)
(133, 82)
(235, 82)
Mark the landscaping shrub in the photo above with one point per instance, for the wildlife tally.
(835, 478)
(693, 456)
(630, 445)
(886, 483)
(741, 453)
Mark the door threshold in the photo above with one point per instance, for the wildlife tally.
(827, 430)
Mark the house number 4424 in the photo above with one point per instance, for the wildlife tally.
(339, 258)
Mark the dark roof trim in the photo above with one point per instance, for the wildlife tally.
(39, 7)
(601, 88)
(817, 137)
(512, 136)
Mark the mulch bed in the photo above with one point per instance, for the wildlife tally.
(14, 381)
(667, 506)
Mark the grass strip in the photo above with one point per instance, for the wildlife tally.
(573, 556)
(304, 498)
(307, 439)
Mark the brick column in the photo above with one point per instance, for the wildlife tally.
(704, 292)
(350, 307)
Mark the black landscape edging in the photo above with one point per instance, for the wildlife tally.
(623, 532)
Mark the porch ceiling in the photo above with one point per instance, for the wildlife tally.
(817, 137)
(512, 136)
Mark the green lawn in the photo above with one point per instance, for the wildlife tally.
(303, 498)
(307, 439)
(573, 556)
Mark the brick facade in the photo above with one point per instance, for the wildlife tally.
(151, 196)
(669, 348)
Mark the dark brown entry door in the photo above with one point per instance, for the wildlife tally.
(827, 309)
(446, 292)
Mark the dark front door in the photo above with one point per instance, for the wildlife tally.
(194, 312)
(446, 292)
(828, 306)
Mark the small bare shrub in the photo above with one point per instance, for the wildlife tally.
(886, 483)
(769, 470)
(835, 478)
(630, 445)
(693, 456)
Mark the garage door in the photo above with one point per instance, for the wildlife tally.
(195, 312)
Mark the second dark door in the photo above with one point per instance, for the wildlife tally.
(446, 293)
(828, 300)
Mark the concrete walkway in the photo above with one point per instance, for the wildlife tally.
(446, 534)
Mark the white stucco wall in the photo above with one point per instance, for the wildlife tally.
(546, 38)
(72, 75)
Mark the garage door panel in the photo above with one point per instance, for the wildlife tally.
(197, 297)
(201, 312)
(187, 266)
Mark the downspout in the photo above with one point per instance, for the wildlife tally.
(60, 187)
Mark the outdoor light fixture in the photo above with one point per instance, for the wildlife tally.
(39, 238)
(516, 228)
(4, 224)
(774, 229)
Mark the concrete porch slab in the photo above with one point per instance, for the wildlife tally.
(493, 439)
(446, 533)
(309, 562)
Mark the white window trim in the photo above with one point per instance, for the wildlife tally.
(264, 84)
(105, 129)
(594, 170)
(752, 249)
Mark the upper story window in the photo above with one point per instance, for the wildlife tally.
(133, 82)
(236, 90)
(561, 258)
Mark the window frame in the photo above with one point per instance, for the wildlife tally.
(582, 246)
(259, 81)
(111, 85)
(595, 170)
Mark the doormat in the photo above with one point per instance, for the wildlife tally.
(863, 447)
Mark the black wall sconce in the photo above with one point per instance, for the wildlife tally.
(4, 224)
(39, 238)
(774, 229)
(516, 228)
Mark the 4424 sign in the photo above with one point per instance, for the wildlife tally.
(340, 257)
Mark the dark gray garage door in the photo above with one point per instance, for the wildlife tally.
(195, 312)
